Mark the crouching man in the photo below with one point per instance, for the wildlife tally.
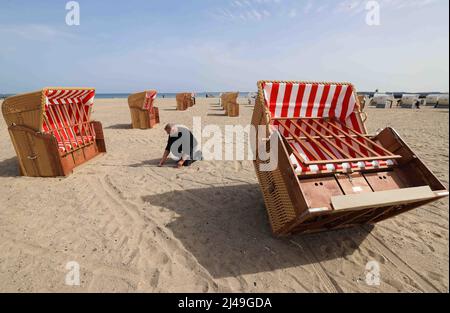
(182, 144)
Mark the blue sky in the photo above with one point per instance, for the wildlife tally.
(127, 46)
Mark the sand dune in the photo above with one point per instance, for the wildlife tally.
(134, 227)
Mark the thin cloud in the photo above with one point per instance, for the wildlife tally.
(38, 32)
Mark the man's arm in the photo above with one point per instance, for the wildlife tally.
(164, 158)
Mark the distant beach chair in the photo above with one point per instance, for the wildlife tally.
(185, 100)
(328, 173)
(364, 101)
(230, 104)
(182, 101)
(383, 101)
(193, 98)
(432, 100)
(52, 131)
(409, 101)
(442, 102)
(251, 98)
(144, 114)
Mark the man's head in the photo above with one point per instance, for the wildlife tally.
(171, 129)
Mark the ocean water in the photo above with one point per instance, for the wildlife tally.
(168, 95)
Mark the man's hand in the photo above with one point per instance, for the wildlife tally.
(180, 164)
(164, 159)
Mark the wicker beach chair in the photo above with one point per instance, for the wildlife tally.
(52, 131)
(442, 102)
(330, 173)
(184, 101)
(364, 101)
(409, 101)
(144, 114)
(230, 104)
(383, 101)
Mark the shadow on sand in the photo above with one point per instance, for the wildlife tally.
(119, 126)
(9, 168)
(217, 114)
(147, 163)
(227, 230)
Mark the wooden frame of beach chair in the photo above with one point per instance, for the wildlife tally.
(383, 101)
(363, 101)
(443, 102)
(408, 101)
(52, 131)
(230, 104)
(329, 172)
(184, 101)
(144, 114)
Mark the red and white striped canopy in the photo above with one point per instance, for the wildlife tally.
(58, 96)
(303, 101)
(317, 100)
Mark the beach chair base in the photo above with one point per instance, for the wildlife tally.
(233, 110)
(143, 119)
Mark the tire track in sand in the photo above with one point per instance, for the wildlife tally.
(141, 229)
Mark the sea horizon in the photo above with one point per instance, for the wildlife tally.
(216, 94)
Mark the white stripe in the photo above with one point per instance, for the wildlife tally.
(300, 151)
(267, 92)
(279, 101)
(340, 101)
(326, 112)
(346, 167)
(292, 100)
(331, 167)
(297, 167)
(305, 100)
(319, 94)
(352, 104)
(333, 149)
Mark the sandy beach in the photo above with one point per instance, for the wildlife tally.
(135, 227)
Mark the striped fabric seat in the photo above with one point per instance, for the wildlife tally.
(333, 105)
(331, 168)
(67, 117)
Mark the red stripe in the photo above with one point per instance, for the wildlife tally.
(298, 101)
(356, 126)
(273, 98)
(286, 99)
(323, 100)
(346, 103)
(288, 125)
(334, 102)
(319, 152)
